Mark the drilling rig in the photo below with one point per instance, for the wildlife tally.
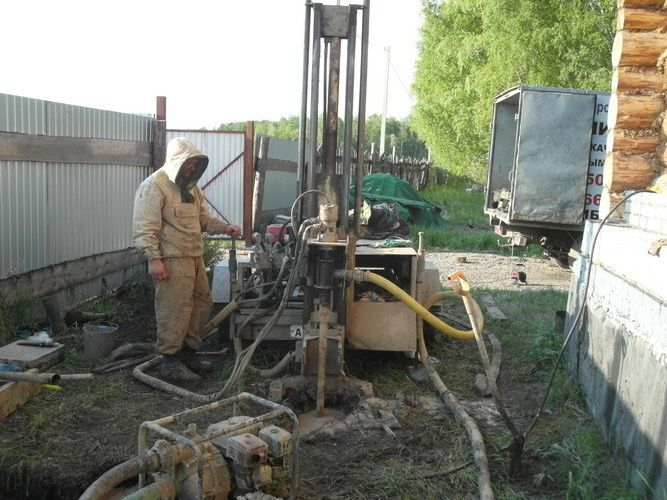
(298, 281)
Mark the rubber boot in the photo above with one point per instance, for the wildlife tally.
(174, 370)
(190, 359)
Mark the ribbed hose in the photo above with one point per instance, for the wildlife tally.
(423, 314)
(116, 475)
(479, 450)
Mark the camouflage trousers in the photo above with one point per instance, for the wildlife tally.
(183, 304)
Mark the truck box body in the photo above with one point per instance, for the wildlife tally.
(545, 161)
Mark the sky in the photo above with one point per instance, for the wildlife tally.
(216, 61)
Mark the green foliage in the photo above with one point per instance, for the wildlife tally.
(399, 133)
(585, 467)
(214, 251)
(469, 228)
(13, 314)
(471, 50)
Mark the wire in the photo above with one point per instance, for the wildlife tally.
(291, 212)
(581, 307)
(401, 82)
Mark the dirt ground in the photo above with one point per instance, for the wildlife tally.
(61, 441)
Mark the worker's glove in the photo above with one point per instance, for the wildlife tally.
(233, 231)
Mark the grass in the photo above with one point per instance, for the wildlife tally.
(13, 314)
(584, 465)
(468, 227)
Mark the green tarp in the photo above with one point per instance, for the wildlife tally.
(385, 188)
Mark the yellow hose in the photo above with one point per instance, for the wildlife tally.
(421, 310)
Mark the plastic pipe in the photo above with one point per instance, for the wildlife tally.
(40, 378)
(422, 311)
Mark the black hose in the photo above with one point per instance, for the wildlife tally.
(577, 317)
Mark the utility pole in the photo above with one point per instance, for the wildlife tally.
(383, 127)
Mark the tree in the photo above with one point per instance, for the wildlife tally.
(399, 133)
(471, 50)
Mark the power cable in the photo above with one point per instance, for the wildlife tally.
(581, 307)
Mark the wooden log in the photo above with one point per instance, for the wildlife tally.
(634, 111)
(627, 171)
(663, 156)
(638, 48)
(639, 4)
(649, 79)
(15, 394)
(641, 19)
(631, 141)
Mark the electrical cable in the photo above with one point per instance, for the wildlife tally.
(581, 307)
(291, 212)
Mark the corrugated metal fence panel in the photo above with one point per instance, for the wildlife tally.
(225, 152)
(56, 212)
(65, 120)
(282, 149)
(22, 115)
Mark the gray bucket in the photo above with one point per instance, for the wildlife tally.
(98, 338)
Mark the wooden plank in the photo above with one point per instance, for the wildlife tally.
(25, 147)
(627, 171)
(31, 356)
(633, 141)
(634, 112)
(641, 19)
(491, 307)
(649, 79)
(15, 394)
(48, 280)
(637, 48)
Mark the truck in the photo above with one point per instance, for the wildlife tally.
(546, 163)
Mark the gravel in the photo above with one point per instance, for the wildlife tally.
(484, 270)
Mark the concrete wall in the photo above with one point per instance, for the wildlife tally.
(619, 354)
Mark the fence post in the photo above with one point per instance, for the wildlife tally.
(248, 179)
(160, 133)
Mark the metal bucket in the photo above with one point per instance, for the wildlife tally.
(98, 338)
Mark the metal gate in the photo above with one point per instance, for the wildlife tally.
(227, 182)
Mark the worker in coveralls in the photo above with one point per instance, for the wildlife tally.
(169, 217)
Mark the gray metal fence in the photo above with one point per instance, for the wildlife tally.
(68, 175)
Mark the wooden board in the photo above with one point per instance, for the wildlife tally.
(15, 394)
(491, 307)
(24, 147)
(49, 280)
(31, 357)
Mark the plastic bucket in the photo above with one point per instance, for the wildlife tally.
(98, 338)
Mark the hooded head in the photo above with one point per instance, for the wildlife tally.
(179, 152)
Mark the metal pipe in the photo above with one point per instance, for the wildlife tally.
(301, 159)
(40, 378)
(349, 104)
(322, 360)
(361, 126)
(76, 376)
(314, 104)
(330, 139)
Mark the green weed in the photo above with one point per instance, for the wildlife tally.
(587, 469)
(13, 314)
(459, 207)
